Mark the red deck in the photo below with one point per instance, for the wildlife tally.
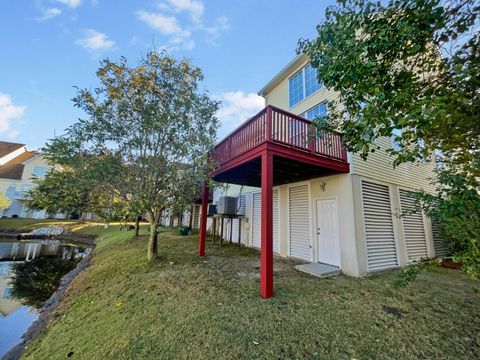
(272, 148)
(298, 153)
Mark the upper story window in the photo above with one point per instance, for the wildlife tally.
(39, 171)
(319, 110)
(303, 84)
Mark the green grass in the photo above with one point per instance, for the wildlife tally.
(183, 306)
(10, 224)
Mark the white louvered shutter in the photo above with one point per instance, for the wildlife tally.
(299, 223)
(257, 220)
(379, 234)
(440, 249)
(276, 242)
(413, 229)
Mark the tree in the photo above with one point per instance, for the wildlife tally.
(412, 65)
(60, 191)
(4, 202)
(409, 69)
(154, 120)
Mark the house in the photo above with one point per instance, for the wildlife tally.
(18, 168)
(307, 198)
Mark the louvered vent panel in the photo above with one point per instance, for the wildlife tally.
(276, 242)
(413, 229)
(380, 237)
(299, 223)
(242, 205)
(257, 221)
(440, 249)
(196, 217)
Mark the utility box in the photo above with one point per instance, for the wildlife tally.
(227, 205)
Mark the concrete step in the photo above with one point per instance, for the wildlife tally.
(319, 269)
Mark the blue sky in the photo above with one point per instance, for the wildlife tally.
(50, 46)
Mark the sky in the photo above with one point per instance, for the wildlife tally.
(50, 47)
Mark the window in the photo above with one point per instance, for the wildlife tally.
(311, 82)
(7, 293)
(295, 91)
(319, 110)
(303, 84)
(39, 171)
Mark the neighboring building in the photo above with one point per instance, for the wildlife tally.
(327, 205)
(18, 168)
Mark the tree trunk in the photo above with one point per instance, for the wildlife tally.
(137, 225)
(153, 240)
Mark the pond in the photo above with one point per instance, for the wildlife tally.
(30, 272)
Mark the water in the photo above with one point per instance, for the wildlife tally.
(25, 268)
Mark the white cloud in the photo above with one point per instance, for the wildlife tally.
(8, 112)
(178, 30)
(70, 3)
(95, 41)
(168, 25)
(49, 13)
(214, 32)
(194, 7)
(237, 107)
(163, 23)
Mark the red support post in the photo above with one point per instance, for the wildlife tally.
(266, 251)
(203, 222)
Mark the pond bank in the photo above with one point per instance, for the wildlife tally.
(46, 311)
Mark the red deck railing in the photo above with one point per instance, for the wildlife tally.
(283, 128)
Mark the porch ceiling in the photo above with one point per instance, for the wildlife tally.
(285, 171)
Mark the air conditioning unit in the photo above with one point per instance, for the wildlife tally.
(227, 205)
(212, 209)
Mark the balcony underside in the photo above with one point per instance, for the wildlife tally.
(289, 165)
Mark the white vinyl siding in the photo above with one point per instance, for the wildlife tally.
(438, 245)
(413, 229)
(379, 166)
(257, 221)
(299, 223)
(379, 232)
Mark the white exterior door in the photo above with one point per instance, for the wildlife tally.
(328, 239)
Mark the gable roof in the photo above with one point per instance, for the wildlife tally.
(13, 169)
(8, 147)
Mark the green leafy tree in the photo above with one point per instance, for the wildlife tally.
(154, 119)
(60, 191)
(409, 69)
(403, 64)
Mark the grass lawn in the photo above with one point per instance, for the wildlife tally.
(183, 306)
